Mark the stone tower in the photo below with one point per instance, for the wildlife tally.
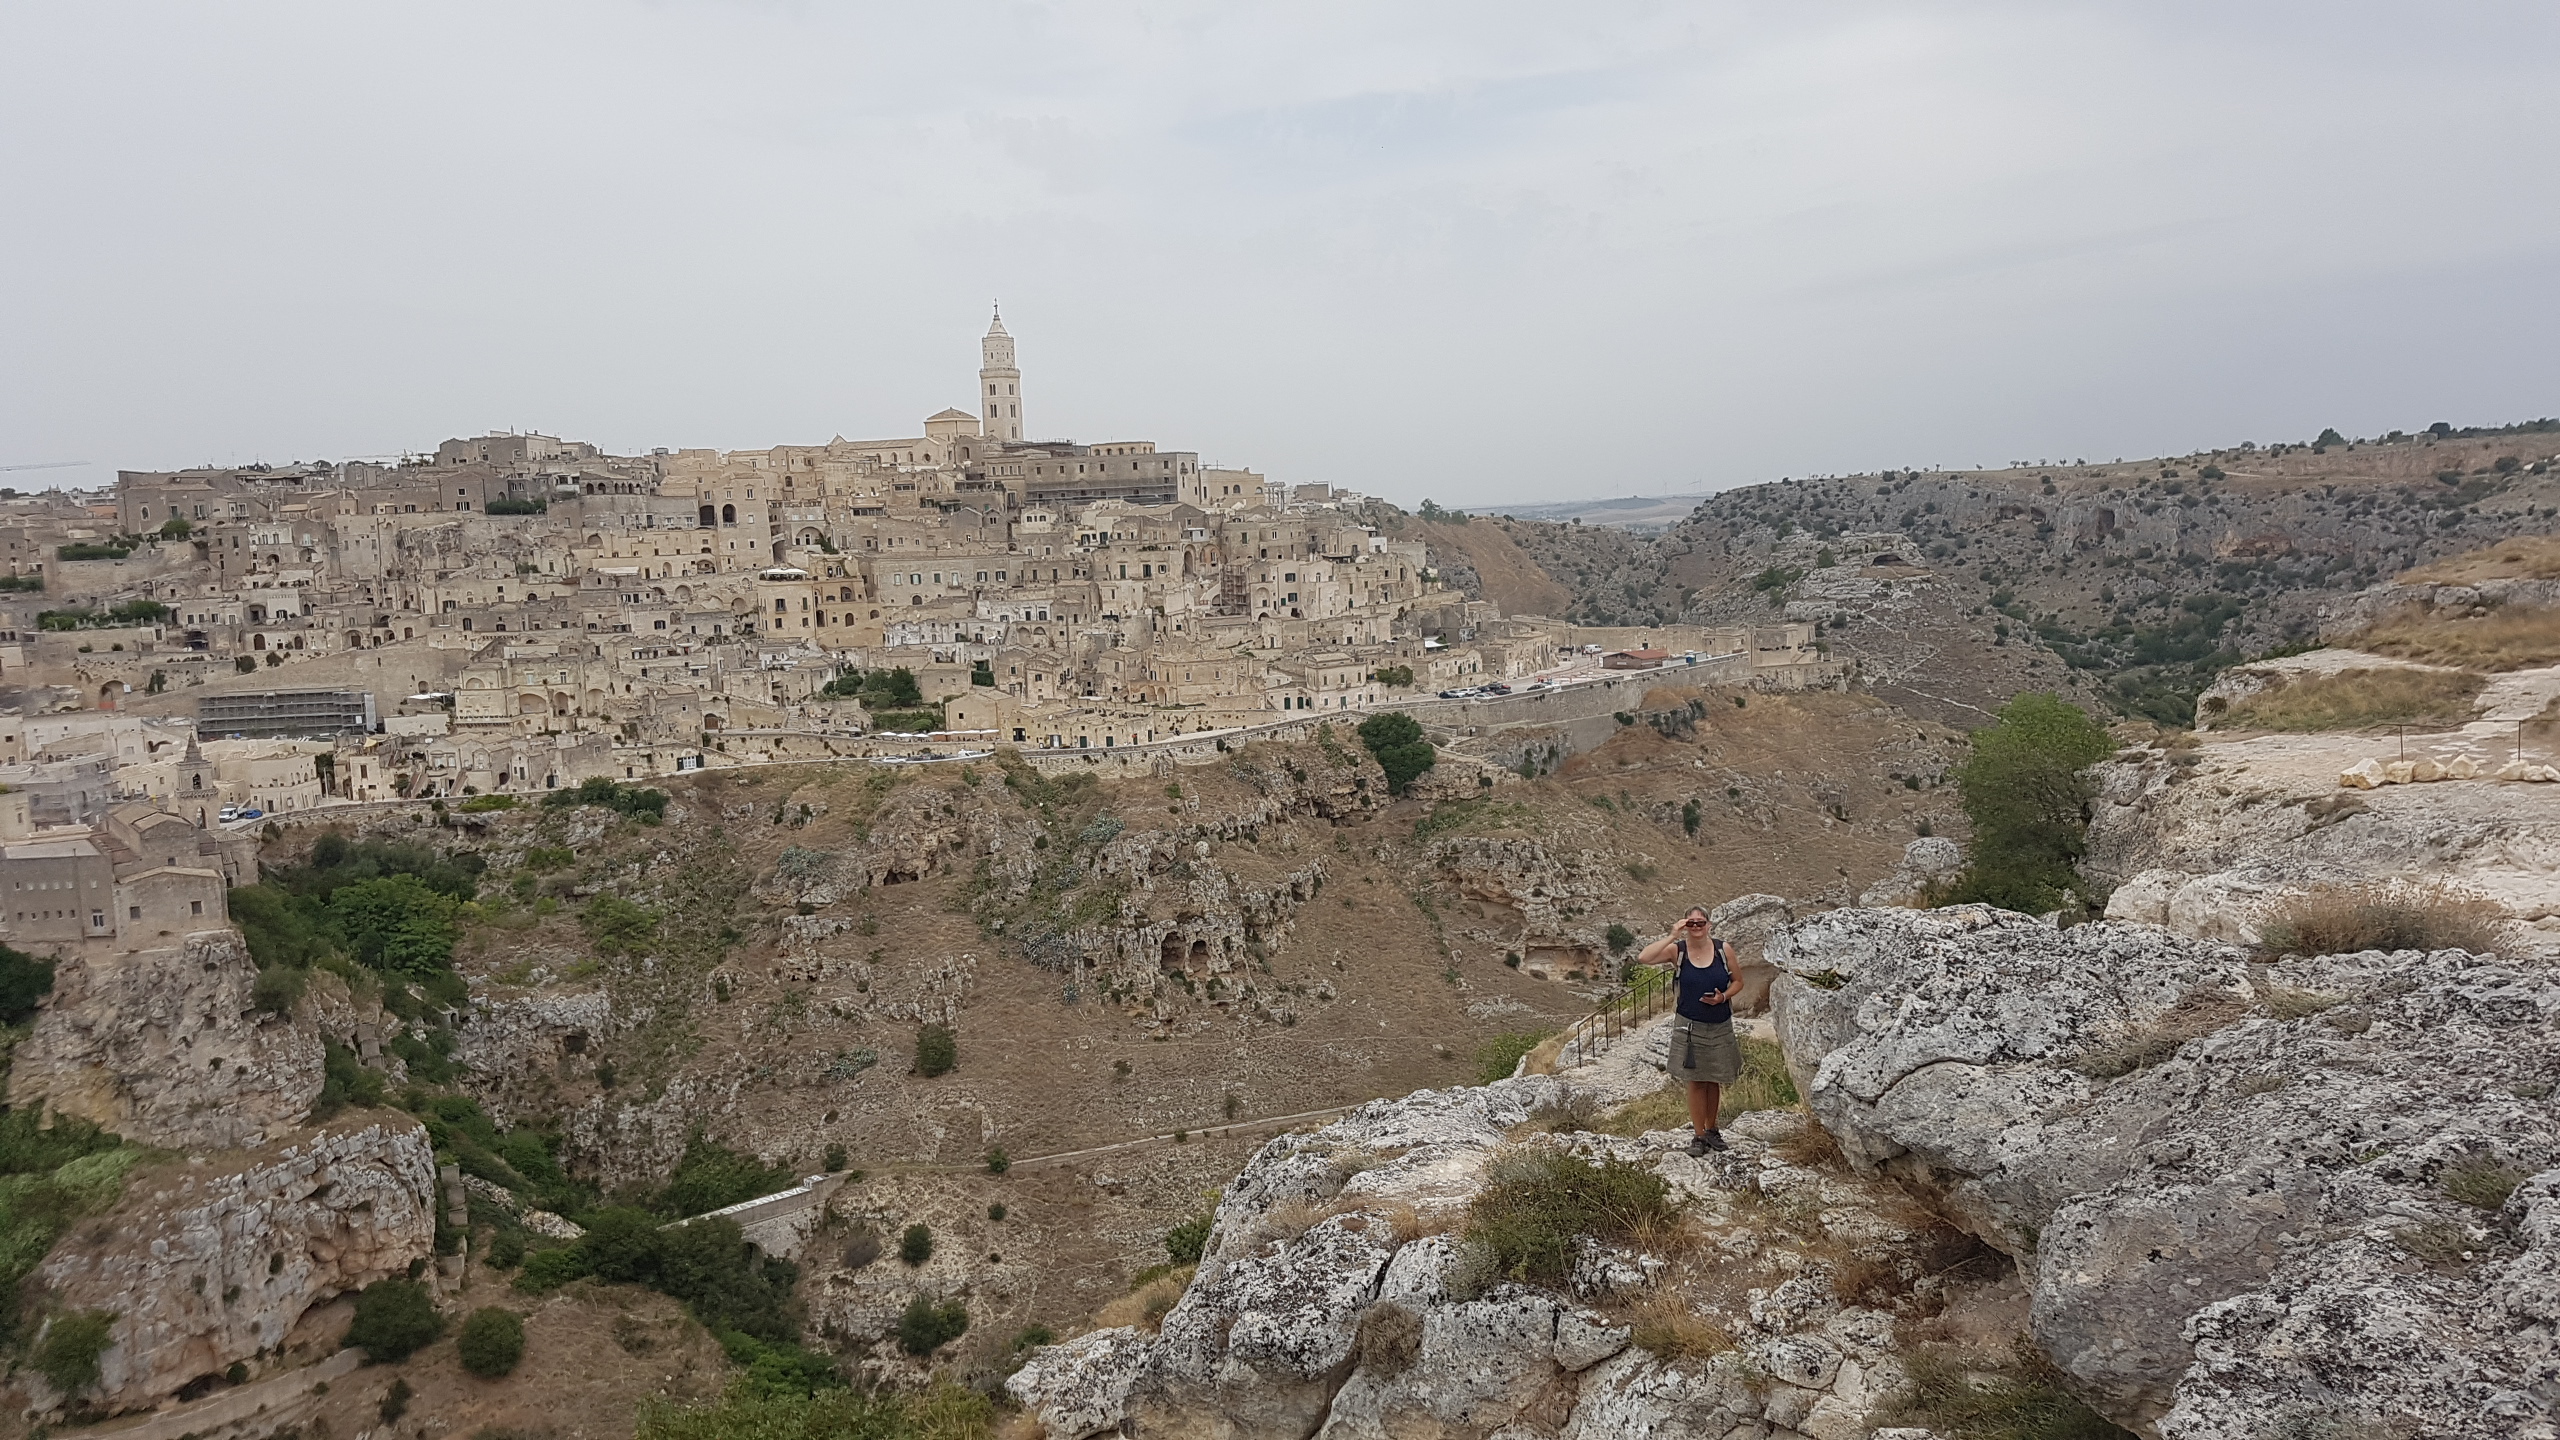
(1000, 385)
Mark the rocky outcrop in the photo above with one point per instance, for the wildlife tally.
(164, 1048)
(1338, 1297)
(2246, 1196)
(206, 1265)
(1929, 861)
(2203, 838)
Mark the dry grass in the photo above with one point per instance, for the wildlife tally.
(1810, 1146)
(2384, 915)
(2199, 1012)
(2535, 557)
(1664, 1109)
(2358, 699)
(1389, 1340)
(2509, 637)
(1669, 1329)
(2481, 1184)
(1148, 1304)
(1973, 1397)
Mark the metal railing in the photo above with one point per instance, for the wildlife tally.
(1646, 992)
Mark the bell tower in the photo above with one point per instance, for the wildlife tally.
(999, 385)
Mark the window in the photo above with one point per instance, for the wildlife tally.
(195, 907)
(133, 911)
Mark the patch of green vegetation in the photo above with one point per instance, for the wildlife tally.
(728, 1284)
(1453, 815)
(907, 722)
(1537, 1203)
(937, 1051)
(67, 1354)
(915, 1246)
(925, 1326)
(1498, 1057)
(484, 804)
(617, 926)
(711, 1176)
(647, 806)
(51, 1177)
(1185, 1242)
(893, 689)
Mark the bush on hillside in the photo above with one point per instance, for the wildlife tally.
(491, 1343)
(1397, 742)
(926, 1327)
(944, 1412)
(2025, 791)
(394, 1320)
(916, 1246)
(1185, 1242)
(643, 804)
(1498, 1057)
(937, 1051)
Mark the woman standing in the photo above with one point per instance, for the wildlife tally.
(1703, 1052)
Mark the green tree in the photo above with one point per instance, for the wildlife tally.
(176, 529)
(397, 923)
(394, 1319)
(1620, 937)
(711, 1176)
(491, 1343)
(1396, 740)
(1185, 1242)
(2025, 792)
(916, 1246)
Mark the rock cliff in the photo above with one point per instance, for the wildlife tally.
(164, 1048)
(2319, 1195)
(206, 1264)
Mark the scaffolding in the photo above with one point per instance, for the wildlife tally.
(272, 714)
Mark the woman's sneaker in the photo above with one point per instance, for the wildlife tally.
(1713, 1139)
(1697, 1144)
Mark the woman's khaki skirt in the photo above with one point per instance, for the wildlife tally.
(1704, 1050)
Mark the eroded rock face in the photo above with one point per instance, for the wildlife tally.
(206, 1266)
(2240, 1190)
(1335, 1299)
(164, 1048)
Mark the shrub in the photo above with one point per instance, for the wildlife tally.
(1672, 1331)
(491, 1343)
(394, 1319)
(395, 1401)
(1389, 1339)
(645, 805)
(937, 1051)
(1185, 1242)
(835, 1160)
(1400, 676)
(2383, 915)
(1620, 939)
(617, 926)
(2024, 790)
(925, 1327)
(916, 1246)
(483, 804)
(1396, 741)
(2353, 699)
(907, 722)
(1537, 1202)
(67, 1356)
(998, 1162)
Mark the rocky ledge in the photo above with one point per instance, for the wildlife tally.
(1338, 1297)
(2319, 1195)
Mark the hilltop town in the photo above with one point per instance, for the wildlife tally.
(518, 613)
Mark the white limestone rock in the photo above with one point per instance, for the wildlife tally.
(2223, 1235)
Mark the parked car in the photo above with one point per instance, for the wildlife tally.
(1497, 688)
(1458, 694)
(253, 813)
(229, 814)
(1590, 649)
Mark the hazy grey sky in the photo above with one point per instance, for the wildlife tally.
(1481, 251)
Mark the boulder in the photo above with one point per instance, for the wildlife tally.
(2363, 775)
(2238, 1189)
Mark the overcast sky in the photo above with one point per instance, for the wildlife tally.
(1480, 251)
